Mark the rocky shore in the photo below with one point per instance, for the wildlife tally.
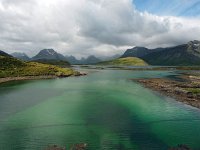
(2, 80)
(180, 147)
(81, 146)
(187, 92)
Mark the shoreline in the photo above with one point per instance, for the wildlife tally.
(180, 91)
(9, 79)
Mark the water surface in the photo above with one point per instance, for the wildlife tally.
(105, 109)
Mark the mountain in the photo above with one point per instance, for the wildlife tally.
(140, 52)
(72, 60)
(136, 52)
(107, 58)
(185, 54)
(128, 61)
(21, 56)
(91, 60)
(86, 61)
(49, 54)
(2, 53)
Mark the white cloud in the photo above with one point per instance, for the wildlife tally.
(84, 27)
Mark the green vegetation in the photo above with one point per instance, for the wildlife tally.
(194, 90)
(128, 61)
(60, 63)
(11, 67)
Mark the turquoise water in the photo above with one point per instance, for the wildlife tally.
(104, 109)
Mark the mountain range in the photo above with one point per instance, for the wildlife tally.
(89, 60)
(185, 54)
(50, 55)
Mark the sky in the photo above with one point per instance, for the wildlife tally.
(96, 27)
(179, 8)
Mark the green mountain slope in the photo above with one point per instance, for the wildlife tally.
(128, 61)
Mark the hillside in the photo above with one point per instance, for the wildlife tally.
(129, 61)
(186, 54)
(2, 53)
(11, 67)
(60, 63)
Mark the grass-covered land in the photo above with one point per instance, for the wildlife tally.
(11, 67)
(60, 63)
(128, 61)
(194, 90)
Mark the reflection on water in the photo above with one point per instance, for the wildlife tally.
(103, 109)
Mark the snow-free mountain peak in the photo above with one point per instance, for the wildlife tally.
(49, 54)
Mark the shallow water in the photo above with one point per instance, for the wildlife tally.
(105, 109)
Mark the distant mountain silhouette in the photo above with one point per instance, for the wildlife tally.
(72, 60)
(107, 58)
(89, 60)
(49, 54)
(21, 56)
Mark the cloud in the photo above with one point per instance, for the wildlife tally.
(85, 27)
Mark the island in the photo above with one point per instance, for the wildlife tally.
(14, 69)
(128, 61)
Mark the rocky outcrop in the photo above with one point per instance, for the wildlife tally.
(180, 147)
(187, 92)
(81, 146)
(55, 147)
